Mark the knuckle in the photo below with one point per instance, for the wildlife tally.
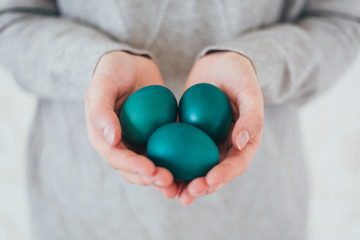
(110, 160)
(142, 183)
(129, 180)
(241, 170)
(238, 169)
(110, 163)
(136, 180)
(120, 162)
(127, 177)
(113, 164)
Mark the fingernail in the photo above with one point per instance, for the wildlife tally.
(200, 193)
(184, 202)
(242, 139)
(219, 186)
(109, 134)
(197, 193)
(158, 183)
(154, 181)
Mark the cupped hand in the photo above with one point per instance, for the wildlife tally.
(235, 76)
(117, 75)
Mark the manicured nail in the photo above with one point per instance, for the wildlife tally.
(200, 193)
(158, 183)
(242, 139)
(219, 186)
(197, 193)
(109, 134)
(184, 202)
(192, 192)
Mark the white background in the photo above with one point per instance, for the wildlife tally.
(331, 135)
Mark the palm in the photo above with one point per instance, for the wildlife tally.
(234, 75)
(116, 77)
(200, 75)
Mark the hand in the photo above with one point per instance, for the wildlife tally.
(235, 75)
(117, 75)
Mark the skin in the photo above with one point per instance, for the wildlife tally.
(235, 76)
(119, 74)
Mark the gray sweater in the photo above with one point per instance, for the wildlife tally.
(298, 48)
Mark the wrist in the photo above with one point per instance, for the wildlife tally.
(122, 59)
(229, 58)
(120, 55)
(133, 70)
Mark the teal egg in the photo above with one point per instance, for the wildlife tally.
(146, 110)
(208, 108)
(186, 151)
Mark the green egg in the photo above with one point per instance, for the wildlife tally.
(208, 108)
(146, 110)
(186, 151)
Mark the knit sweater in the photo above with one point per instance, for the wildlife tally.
(298, 48)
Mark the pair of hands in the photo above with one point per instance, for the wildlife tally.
(119, 74)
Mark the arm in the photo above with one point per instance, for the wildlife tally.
(50, 56)
(294, 61)
(59, 58)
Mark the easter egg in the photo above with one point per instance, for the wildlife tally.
(146, 110)
(208, 108)
(186, 151)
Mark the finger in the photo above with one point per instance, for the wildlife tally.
(126, 160)
(136, 178)
(160, 178)
(235, 164)
(99, 106)
(119, 157)
(185, 198)
(251, 118)
(168, 191)
(198, 187)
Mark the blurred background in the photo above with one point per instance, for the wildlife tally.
(331, 136)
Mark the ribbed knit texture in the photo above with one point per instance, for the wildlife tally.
(298, 48)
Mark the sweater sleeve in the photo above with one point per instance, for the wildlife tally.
(50, 56)
(296, 60)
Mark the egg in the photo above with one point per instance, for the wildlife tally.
(146, 110)
(186, 151)
(208, 108)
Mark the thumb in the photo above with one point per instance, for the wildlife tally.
(249, 124)
(102, 119)
(107, 124)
